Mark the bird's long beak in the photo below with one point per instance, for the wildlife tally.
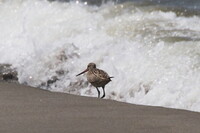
(82, 72)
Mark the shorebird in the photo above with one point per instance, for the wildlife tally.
(97, 77)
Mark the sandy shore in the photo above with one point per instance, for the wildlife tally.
(30, 110)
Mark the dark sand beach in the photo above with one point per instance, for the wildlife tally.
(31, 110)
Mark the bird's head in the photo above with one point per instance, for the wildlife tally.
(90, 66)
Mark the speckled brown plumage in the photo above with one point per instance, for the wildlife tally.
(97, 77)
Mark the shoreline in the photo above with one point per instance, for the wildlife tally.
(26, 109)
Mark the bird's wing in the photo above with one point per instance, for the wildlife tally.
(100, 74)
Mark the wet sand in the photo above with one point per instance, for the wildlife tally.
(30, 110)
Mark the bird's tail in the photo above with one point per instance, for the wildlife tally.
(110, 78)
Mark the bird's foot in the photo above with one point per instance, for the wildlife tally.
(102, 96)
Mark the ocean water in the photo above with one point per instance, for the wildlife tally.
(152, 48)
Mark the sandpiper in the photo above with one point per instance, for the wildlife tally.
(97, 77)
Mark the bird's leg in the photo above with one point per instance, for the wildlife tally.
(103, 92)
(98, 92)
